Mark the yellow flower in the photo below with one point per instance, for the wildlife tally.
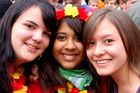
(16, 75)
(71, 11)
(23, 90)
(70, 86)
(61, 90)
(83, 91)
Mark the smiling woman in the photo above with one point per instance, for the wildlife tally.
(33, 37)
(112, 46)
(67, 68)
(25, 32)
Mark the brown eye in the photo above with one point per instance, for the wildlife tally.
(108, 41)
(29, 26)
(61, 37)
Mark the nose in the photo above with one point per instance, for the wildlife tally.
(37, 36)
(70, 45)
(99, 50)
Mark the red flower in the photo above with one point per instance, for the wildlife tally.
(60, 14)
(83, 14)
(74, 90)
(18, 83)
(28, 90)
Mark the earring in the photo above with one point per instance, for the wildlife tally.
(39, 57)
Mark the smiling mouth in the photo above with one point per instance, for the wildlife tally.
(69, 57)
(31, 47)
(103, 61)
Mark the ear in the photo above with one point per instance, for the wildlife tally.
(122, 4)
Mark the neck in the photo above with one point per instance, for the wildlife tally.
(14, 68)
(128, 81)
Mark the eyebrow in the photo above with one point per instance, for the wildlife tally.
(107, 35)
(32, 22)
(60, 33)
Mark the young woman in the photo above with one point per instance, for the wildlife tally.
(25, 32)
(66, 70)
(112, 46)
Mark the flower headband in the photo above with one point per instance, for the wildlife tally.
(72, 11)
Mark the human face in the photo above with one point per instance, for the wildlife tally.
(106, 50)
(93, 4)
(130, 3)
(67, 49)
(53, 2)
(127, 5)
(29, 36)
(112, 4)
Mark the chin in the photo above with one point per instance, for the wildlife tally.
(68, 67)
(28, 59)
(103, 73)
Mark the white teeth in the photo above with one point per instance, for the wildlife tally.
(69, 57)
(30, 46)
(102, 61)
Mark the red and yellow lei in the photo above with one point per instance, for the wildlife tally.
(71, 89)
(18, 80)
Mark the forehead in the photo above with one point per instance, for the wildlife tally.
(91, 1)
(106, 27)
(132, 0)
(112, 0)
(33, 11)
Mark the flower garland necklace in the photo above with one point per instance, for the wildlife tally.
(18, 80)
(71, 89)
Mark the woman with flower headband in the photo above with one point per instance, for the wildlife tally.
(25, 32)
(66, 69)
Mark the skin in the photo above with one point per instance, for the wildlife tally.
(127, 5)
(93, 4)
(104, 50)
(107, 54)
(53, 2)
(111, 4)
(29, 36)
(67, 49)
(74, 2)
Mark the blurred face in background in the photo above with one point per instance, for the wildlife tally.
(127, 4)
(53, 2)
(93, 4)
(74, 2)
(112, 4)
